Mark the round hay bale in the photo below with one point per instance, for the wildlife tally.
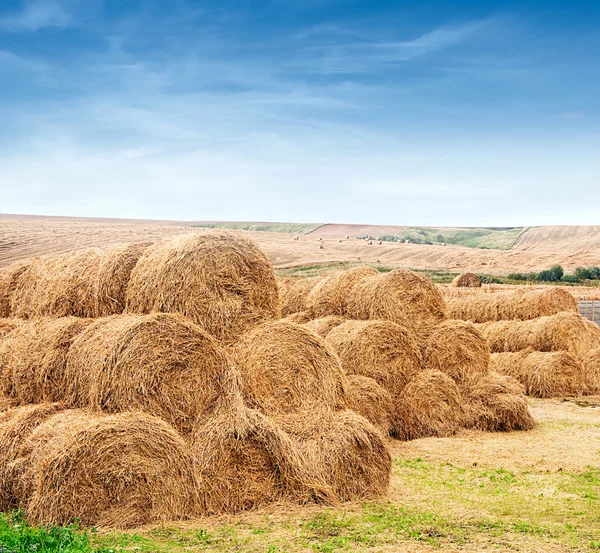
(33, 360)
(323, 299)
(543, 374)
(408, 298)
(346, 284)
(352, 455)
(372, 401)
(467, 280)
(457, 349)
(360, 297)
(291, 375)
(162, 364)
(561, 332)
(511, 305)
(431, 405)
(324, 325)
(15, 426)
(294, 299)
(382, 350)
(497, 404)
(284, 284)
(122, 470)
(7, 326)
(301, 317)
(591, 364)
(9, 279)
(112, 279)
(58, 286)
(220, 280)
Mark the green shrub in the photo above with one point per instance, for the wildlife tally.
(517, 276)
(388, 238)
(558, 272)
(487, 279)
(570, 278)
(587, 273)
(546, 276)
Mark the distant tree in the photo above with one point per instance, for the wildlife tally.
(570, 279)
(546, 276)
(557, 271)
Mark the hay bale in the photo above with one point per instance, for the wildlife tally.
(562, 332)
(346, 284)
(113, 275)
(295, 298)
(58, 286)
(372, 401)
(301, 317)
(408, 298)
(360, 298)
(382, 350)
(467, 280)
(457, 349)
(9, 279)
(7, 326)
(511, 305)
(324, 325)
(15, 426)
(353, 456)
(430, 405)
(543, 374)
(291, 375)
(33, 359)
(220, 280)
(162, 364)
(122, 470)
(591, 365)
(323, 299)
(497, 404)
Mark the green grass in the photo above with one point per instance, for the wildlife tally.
(292, 228)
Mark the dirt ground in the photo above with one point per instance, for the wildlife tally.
(539, 248)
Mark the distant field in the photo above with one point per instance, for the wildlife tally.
(294, 228)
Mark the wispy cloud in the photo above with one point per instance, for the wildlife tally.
(570, 115)
(36, 15)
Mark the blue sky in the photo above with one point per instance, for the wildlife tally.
(422, 113)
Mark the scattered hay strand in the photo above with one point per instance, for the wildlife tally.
(467, 280)
(543, 374)
(352, 453)
(58, 286)
(295, 298)
(162, 364)
(430, 405)
(562, 332)
(457, 349)
(514, 305)
(497, 404)
(220, 280)
(324, 325)
(408, 298)
(15, 426)
(122, 470)
(291, 375)
(34, 358)
(113, 276)
(9, 280)
(372, 401)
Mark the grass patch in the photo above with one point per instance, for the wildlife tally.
(291, 228)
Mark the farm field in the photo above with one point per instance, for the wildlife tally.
(533, 249)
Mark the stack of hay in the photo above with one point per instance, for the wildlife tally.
(143, 416)
(403, 357)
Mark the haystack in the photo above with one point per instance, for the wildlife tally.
(121, 470)
(323, 298)
(7, 326)
(430, 405)
(113, 275)
(9, 279)
(457, 349)
(562, 332)
(294, 298)
(324, 325)
(58, 286)
(382, 350)
(301, 317)
(514, 305)
(497, 404)
(291, 375)
(372, 401)
(544, 374)
(33, 359)
(467, 280)
(591, 365)
(353, 456)
(408, 298)
(15, 426)
(220, 280)
(360, 297)
(162, 364)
